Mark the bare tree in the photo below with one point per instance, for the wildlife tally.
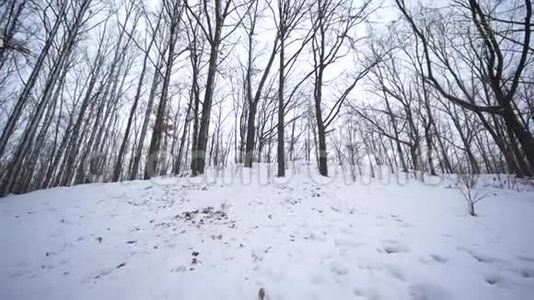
(173, 10)
(118, 164)
(498, 55)
(67, 47)
(211, 23)
(252, 15)
(32, 80)
(332, 18)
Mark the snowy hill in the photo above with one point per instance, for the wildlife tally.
(183, 238)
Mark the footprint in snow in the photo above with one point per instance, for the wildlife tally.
(526, 259)
(108, 270)
(395, 272)
(179, 269)
(492, 279)
(527, 273)
(348, 231)
(347, 243)
(368, 294)
(396, 218)
(484, 258)
(339, 269)
(439, 258)
(428, 292)
(393, 247)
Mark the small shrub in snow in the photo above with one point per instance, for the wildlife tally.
(468, 187)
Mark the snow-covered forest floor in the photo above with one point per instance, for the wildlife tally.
(303, 238)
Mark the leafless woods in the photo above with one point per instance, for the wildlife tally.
(101, 90)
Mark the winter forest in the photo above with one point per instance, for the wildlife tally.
(142, 101)
(108, 91)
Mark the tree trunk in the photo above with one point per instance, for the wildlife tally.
(29, 132)
(151, 166)
(280, 151)
(30, 83)
(118, 165)
(199, 157)
(148, 113)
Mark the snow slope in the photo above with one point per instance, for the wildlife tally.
(303, 238)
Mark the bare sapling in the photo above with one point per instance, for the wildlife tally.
(468, 187)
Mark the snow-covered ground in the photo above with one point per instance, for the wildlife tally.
(303, 238)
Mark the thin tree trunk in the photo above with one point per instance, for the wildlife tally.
(30, 83)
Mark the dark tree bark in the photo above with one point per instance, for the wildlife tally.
(214, 35)
(494, 61)
(32, 80)
(118, 164)
(62, 62)
(174, 10)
